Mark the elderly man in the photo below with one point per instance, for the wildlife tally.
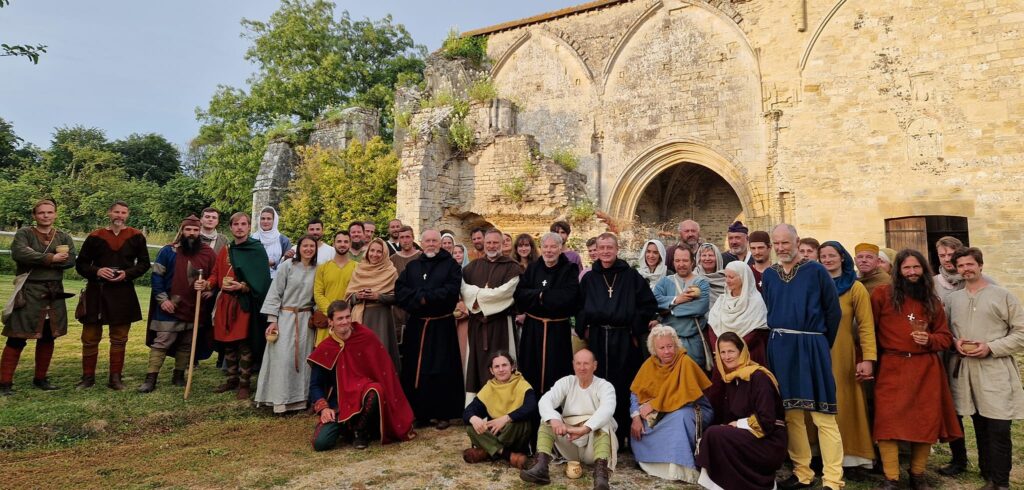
(584, 429)
(760, 244)
(618, 310)
(803, 316)
(353, 387)
(738, 249)
(428, 290)
(179, 271)
(689, 237)
(488, 286)
(988, 324)
(869, 266)
(111, 259)
(548, 292)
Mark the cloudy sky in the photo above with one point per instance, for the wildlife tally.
(140, 66)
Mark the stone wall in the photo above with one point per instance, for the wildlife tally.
(833, 114)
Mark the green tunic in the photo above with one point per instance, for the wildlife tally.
(44, 289)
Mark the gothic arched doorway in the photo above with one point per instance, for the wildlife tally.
(690, 191)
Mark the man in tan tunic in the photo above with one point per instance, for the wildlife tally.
(988, 325)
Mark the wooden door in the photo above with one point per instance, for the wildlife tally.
(910, 232)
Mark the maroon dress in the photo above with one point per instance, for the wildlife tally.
(735, 458)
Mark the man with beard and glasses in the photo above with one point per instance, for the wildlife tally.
(392, 241)
(488, 287)
(738, 245)
(760, 244)
(988, 324)
(332, 278)
(617, 311)
(689, 237)
(356, 233)
(803, 317)
(175, 280)
(111, 259)
(428, 290)
(912, 396)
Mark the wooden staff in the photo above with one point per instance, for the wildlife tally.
(195, 337)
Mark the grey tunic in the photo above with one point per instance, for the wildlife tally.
(284, 375)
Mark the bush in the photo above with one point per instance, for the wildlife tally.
(483, 90)
(403, 119)
(472, 49)
(582, 211)
(292, 132)
(566, 159)
(530, 169)
(461, 136)
(515, 190)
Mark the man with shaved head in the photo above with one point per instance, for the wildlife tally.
(689, 237)
(428, 290)
(803, 316)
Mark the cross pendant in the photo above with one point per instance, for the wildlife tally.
(424, 277)
(910, 317)
(544, 282)
(610, 292)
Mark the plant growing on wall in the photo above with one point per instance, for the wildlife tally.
(582, 210)
(566, 159)
(514, 190)
(460, 135)
(472, 49)
(482, 90)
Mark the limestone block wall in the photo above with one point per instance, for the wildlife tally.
(353, 124)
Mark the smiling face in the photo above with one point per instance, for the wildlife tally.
(492, 244)
(341, 244)
(583, 365)
(477, 237)
(729, 353)
(502, 369)
(867, 262)
(911, 269)
(733, 282)
(708, 260)
(651, 256)
(307, 249)
(118, 215)
(784, 243)
(523, 248)
(607, 251)
(831, 259)
(375, 254)
(682, 260)
(315, 230)
(341, 323)
(266, 220)
(549, 249)
(447, 243)
(737, 244)
(459, 253)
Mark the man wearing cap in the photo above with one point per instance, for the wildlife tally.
(175, 280)
(738, 245)
(869, 266)
(760, 245)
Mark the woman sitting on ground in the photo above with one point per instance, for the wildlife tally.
(498, 419)
(749, 446)
(668, 408)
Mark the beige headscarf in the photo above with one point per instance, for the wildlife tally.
(379, 278)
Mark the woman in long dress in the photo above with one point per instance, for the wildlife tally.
(652, 262)
(748, 445)
(371, 292)
(741, 310)
(668, 408)
(284, 375)
(273, 241)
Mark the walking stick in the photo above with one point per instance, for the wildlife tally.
(195, 337)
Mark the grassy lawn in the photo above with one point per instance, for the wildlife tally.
(99, 438)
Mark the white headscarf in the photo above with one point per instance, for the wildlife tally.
(659, 271)
(740, 314)
(271, 239)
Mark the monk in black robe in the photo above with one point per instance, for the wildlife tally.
(618, 309)
(487, 288)
(548, 293)
(428, 290)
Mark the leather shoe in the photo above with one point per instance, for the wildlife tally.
(475, 455)
(517, 460)
(794, 483)
(954, 468)
(442, 424)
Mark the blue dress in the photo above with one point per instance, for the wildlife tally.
(803, 315)
(672, 441)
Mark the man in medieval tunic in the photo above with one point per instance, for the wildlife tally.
(209, 219)
(36, 309)
(912, 396)
(760, 244)
(738, 241)
(488, 286)
(803, 316)
(243, 279)
(428, 290)
(332, 277)
(988, 324)
(407, 252)
(684, 302)
(353, 387)
(548, 292)
(869, 266)
(175, 280)
(111, 259)
(618, 310)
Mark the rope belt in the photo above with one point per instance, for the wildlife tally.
(297, 326)
(423, 338)
(544, 345)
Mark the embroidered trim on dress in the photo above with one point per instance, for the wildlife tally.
(782, 273)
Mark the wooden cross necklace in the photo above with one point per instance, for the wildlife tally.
(611, 287)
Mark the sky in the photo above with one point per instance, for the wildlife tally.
(143, 66)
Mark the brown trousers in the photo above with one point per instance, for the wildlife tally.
(91, 337)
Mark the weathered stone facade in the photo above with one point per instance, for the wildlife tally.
(835, 115)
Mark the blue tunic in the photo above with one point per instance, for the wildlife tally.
(803, 315)
(673, 438)
(688, 319)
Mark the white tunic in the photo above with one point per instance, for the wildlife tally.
(594, 404)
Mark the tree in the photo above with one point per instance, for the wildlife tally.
(179, 197)
(24, 50)
(68, 139)
(308, 62)
(148, 157)
(340, 186)
(9, 143)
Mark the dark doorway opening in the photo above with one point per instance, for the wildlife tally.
(921, 233)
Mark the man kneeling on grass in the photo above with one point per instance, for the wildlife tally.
(354, 388)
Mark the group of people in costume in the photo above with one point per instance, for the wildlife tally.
(710, 367)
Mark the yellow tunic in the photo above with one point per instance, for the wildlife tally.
(330, 284)
(852, 417)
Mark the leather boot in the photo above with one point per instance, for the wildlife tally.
(44, 384)
(888, 484)
(243, 391)
(86, 382)
(114, 382)
(601, 474)
(230, 385)
(6, 389)
(918, 482)
(149, 384)
(178, 378)
(539, 472)
(8, 362)
(89, 367)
